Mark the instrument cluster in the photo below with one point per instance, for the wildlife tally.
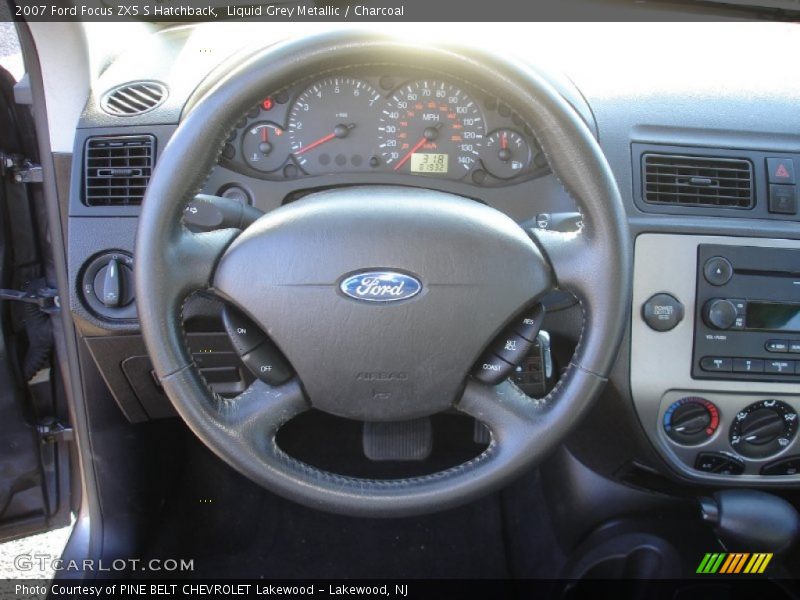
(406, 124)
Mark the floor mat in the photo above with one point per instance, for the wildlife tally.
(233, 528)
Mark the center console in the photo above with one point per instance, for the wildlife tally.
(715, 347)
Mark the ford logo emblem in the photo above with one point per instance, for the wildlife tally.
(381, 286)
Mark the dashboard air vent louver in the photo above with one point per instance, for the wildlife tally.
(117, 169)
(697, 181)
(133, 98)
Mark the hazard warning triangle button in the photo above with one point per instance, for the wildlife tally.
(780, 170)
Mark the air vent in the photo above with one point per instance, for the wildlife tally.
(117, 169)
(697, 181)
(133, 98)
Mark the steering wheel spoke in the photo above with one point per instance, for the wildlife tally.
(503, 408)
(568, 254)
(194, 258)
(256, 415)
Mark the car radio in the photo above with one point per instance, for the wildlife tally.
(747, 321)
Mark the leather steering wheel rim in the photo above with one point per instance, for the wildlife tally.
(594, 264)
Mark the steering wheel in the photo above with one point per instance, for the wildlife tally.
(477, 270)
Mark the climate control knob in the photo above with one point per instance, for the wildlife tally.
(719, 313)
(691, 420)
(763, 428)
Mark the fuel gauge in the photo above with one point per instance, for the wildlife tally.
(265, 146)
(506, 153)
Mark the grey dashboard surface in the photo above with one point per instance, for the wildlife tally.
(717, 88)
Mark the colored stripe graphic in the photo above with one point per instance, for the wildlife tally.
(734, 563)
(758, 563)
(711, 562)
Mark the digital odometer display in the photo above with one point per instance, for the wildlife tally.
(428, 162)
(431, 119)
(773, 316)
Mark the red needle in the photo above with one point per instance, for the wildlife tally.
(319, 142)
(504, 141)
(416, 147)
(264, 134)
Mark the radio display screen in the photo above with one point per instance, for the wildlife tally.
(773, 316)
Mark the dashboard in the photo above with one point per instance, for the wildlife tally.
(391, 124)
(385, 120)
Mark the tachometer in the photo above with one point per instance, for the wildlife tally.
(431, 128)
(331, 125)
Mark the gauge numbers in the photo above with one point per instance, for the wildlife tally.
(324, 116)
(432, 128)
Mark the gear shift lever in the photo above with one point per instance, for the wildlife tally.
(751, 521)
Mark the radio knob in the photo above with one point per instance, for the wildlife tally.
(720, 314)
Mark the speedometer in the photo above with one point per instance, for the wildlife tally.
(431, 128)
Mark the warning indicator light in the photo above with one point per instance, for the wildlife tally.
(267, 104)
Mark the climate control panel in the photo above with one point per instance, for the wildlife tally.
(731, 435)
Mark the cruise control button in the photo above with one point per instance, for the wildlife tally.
(785, 466)
(491, 369)
(512, 348)
(528, 325)
(781, 367)
(717, 270)
(748, 365)
(662, 312)
(777, 346)
(245, 335)
(721, 365)
(268, 364)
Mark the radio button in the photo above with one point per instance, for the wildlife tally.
(794, 346)
(741, 305)
(780, 367)
(714, 364)
(748, 365)
(718, 270)
(777, 346)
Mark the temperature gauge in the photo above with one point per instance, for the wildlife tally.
(265, 146)
(507, 153)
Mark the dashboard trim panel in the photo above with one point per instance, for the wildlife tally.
(661, 362)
